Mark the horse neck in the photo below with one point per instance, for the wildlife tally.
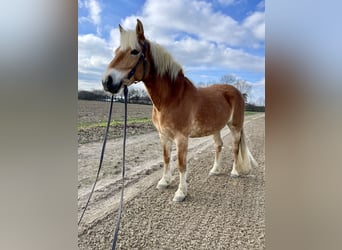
(164, 92)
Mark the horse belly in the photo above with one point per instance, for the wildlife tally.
(209, 120)
(199, 129)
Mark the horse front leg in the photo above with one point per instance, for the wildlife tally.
(182, 150)
(167, 147)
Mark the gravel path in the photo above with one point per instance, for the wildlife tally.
(219, 212)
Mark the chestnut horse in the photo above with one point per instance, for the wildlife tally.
(180, 110)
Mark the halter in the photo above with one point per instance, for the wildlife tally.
(142, 57)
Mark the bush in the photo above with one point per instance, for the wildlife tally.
(254, 108)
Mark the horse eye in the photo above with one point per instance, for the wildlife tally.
(134, 52)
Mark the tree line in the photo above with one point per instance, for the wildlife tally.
(135, 95)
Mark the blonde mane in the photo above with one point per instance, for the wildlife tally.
(163, 61)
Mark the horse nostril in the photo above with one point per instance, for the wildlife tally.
(109, 80)
(107, 83)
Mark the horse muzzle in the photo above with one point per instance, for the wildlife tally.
(111, 86)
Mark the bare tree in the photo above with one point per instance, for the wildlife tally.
(229, 79)
(242, 85)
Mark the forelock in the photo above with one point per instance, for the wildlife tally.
(128, 40)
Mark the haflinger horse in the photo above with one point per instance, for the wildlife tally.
(180, 110)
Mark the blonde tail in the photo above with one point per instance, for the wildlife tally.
(245, 158)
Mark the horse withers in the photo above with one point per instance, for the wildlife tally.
(180, 110)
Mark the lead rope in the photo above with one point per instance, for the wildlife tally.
(101, 158)
(117, 227)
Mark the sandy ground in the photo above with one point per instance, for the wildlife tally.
(219, 212)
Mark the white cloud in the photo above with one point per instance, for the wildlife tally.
(257, 94)
(256, 23)
(94, 54)
(196, 18)
(199, 53)
(164, 23)
(261, 82)
(94, 11)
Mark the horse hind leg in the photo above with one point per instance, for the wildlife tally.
(236, 140)
(242, 156)
(218, 145)
(166, 178)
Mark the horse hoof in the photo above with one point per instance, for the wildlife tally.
(234, 173)
(179, 196)
(161, 187)
(162, 184)
(211, 173)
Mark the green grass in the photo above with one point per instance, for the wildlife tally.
(144, 120)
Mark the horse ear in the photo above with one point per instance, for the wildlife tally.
(121, 29)
(140, 30)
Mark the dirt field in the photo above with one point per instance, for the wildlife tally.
(91, 112)
(219, 212)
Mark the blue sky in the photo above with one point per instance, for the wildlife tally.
(208, 38)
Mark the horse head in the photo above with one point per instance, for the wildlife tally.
(130, 63)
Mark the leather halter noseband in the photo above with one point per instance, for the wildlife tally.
(141, 58)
